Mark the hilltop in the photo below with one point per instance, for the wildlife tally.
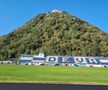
(55, 33)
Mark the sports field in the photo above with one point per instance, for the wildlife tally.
(53, 74)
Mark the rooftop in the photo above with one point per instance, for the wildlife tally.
(55, 10)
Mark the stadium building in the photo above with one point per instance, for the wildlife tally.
(81, 61)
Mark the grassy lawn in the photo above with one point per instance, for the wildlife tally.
(54, 74)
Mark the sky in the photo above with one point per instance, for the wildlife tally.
(14, 13)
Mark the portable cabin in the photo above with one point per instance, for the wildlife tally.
(38, 59)
(26, 60)
(103, 61)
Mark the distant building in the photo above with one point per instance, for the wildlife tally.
(32, 59)
(38, 59)
(49, 60)
(56, 11)
(25, 59)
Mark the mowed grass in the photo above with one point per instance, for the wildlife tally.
(56, 74)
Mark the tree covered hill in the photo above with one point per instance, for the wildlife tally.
(54, 33)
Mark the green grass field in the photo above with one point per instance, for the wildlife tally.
(53, 74)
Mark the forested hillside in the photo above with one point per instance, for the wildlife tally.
(54, 33)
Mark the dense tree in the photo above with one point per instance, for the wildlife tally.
(54, 33)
